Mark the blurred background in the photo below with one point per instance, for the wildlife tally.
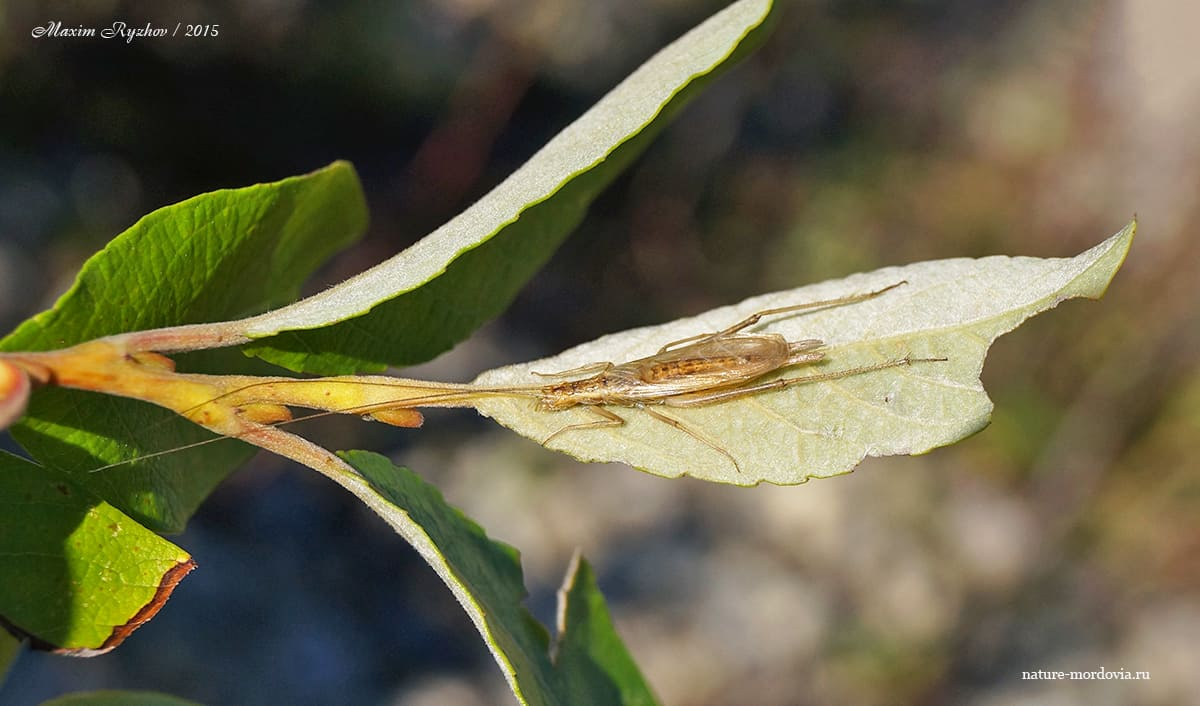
(863, 134)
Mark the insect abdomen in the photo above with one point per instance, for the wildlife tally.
(689, 367)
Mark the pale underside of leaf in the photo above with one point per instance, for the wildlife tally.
(616, 118)
(952, 309)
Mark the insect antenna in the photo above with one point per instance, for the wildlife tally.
(366, 410)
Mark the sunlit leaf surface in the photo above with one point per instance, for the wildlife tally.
(950, 309)
(76, 575)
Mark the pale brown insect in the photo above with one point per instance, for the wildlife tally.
(704, 369)
(700, 370)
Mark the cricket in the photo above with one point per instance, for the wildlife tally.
(700, 370)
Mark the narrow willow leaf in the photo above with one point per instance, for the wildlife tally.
(588, 644)
(950, 309)
(76, 575)
(466, 272)
(591, 665)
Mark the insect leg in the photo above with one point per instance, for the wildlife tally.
(610, 419)
(699, 399)
(594, 368)
(759, 315)
(694, 434)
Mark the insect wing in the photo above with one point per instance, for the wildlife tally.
(715, 363)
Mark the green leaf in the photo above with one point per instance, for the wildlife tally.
(212, 257)
(82, 433)
(591, 667)
(76, 575)
(118, 698)
(10, 648)
(220, 255)
(422, 301)
(589, 649)
(950, 309)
